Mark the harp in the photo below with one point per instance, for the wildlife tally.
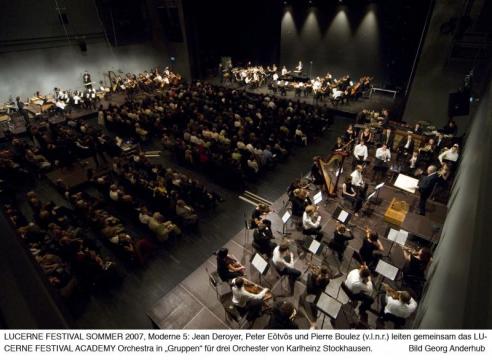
(331, 169)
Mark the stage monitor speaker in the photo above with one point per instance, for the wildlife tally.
(459, 104)
(83, 46)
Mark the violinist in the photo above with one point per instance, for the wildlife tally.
(396, 306)
(228, 267)
(246, 302)
(261, 211)
(317, 281)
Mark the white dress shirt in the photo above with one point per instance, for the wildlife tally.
(279, 261)
(384, 155)
(360, 150)
(355, 284)
(448, 155)
(357, 179)
(241, 296)
(397, 308)
(308, 222)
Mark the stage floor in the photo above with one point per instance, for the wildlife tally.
(193, 304)
(376, 102)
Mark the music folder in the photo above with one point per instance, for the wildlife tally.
(259, 263)
(328, 305)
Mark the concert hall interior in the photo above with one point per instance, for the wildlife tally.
(297, 164)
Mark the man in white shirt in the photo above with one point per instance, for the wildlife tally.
(450, 154)
(311, 222)
(383, 157)
(358, 181)
(359, 283)
(283, 259)
(360, 152)
(396, 306)
(245, 301)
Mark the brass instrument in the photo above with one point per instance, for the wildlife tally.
(410, 250)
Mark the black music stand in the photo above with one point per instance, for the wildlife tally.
(285, 218)
(376, 200)
(328, 306)
(341, 215)
(261, 265)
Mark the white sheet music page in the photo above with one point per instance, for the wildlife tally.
(259, 263)
(406, 183)
(393, 234)
(314, 246)
(285, 217)
(387, 270)
(402, 237)
(342, 216)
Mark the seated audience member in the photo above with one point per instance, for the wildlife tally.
(396, 306)
(450, 128)
(186, 213)
(247, 303)
(311, 222)
(341, 237)
(283, 259)
(228, 267)
(372, 249)
(283, 315)
(359, 283)
(262, 239)
(349, 193)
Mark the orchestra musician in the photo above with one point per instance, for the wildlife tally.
(228, 267)
(358, 181)
(382, 159)
(284, 71)
(341, 236)
(416, 264)
(317, 280)
(246, 302)
(299, 67)
(316, 173)
(283, 260)
(86, 79)
(258, 214)
(360, 287)
(283, 315)
(262, 239)
(360, 153)
(349, 193)
(396, 306)
(311, 222)
(372, 249)
(405, 148)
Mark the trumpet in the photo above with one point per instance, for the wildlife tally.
(411, 251)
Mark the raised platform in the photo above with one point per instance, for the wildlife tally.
(376, 102)
(194, 303)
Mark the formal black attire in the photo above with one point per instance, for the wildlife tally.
(262, 241)
(426, 185)
(339, 243)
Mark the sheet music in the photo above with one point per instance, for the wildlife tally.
(342, 216)
(402, 237)
(387, 270)
(328, 305)
(393, 234)
(314, 246)
(285, 217)
(318, 197)
(379, 186)
(406, 183)
(370, 196)
(259, 263)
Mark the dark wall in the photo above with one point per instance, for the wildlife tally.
(358, 37)
(244, 30)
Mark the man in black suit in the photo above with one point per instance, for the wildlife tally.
(405, 148)
(426, 185)
(388, 138)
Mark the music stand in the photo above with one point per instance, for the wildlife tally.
(329, 306)
(342, 215)
(285, 217)
(377, 188)
(396, 236)
(368, 210)
(260, 264)
(386, 270)
(314, 247)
